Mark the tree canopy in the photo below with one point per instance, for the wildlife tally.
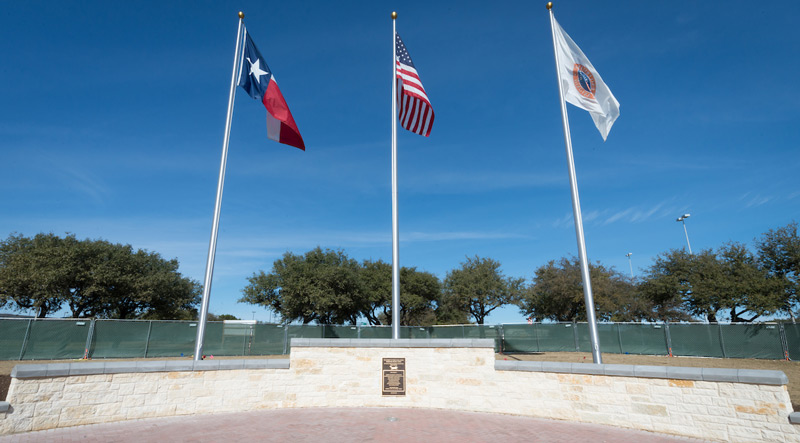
(93, 278)
(731, 282)
(328, 287)
(479, 287)
(557, 294)
(321, 286)
(709, 283)
(779, 255)
(419, 293)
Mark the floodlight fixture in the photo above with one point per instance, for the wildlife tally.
(682, 219)
(629, 262)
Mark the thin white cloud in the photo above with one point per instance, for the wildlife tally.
(634, 214)
(639, 214)
(590, 216)
(756, 200)
(562, 222)
(84, 182)
(620, 215)
(759, 201)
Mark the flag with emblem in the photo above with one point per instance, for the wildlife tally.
(257, 79)
(416, 112)
(582, 84)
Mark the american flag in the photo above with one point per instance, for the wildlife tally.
(416, 112)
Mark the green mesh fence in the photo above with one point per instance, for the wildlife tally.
(335, 331)
(12, 337)
(227, 338)
(172, 339)
(302, 331)
(456, 331)
(556, 337)
(695, 340)
(485, 331)
(792, 334)
(268, 339)
(607, 334)
(119, 338)
(644, 339)
(418, 332)
(377, 331)
(622, 338)
(520, 338)
(751, 341)
(66, 338)
(56, 339)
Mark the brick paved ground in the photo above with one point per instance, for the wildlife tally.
(332, 425)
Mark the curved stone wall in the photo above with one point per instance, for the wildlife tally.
(459, 374)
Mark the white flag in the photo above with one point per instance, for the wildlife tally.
(582, 84)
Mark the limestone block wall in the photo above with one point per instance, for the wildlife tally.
(716, 404)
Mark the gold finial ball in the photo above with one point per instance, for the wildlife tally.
(241, 14)
(549, 5)
(394, 15)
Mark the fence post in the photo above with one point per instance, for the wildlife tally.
(245, 338)
(575, 335)
(619, 335)
(285, 338)
(89, 340)
(147, 340)
(25, 339)
(784, 342)
(359, 331)
(536, 334)
(668, 338)
(721, 341)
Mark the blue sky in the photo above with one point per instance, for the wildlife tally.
(113, 115)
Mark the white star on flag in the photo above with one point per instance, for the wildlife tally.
(255, 69)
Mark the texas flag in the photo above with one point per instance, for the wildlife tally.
(257, 79)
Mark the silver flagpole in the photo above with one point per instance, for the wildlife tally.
(212, 244)
(395, 227)
(576, 209)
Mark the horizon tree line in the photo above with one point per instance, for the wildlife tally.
(95, 278)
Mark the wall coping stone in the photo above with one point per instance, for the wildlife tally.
(794, 418)
(120, 367)
(4, 406)
(392, 343)
(750, 376)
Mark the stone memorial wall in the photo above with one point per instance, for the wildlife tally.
(457, 374)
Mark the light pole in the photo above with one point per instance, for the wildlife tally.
(630, 263)
(682, 219)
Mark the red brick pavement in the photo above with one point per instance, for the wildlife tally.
(330, 425)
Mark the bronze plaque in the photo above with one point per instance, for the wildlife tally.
(394, 376)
